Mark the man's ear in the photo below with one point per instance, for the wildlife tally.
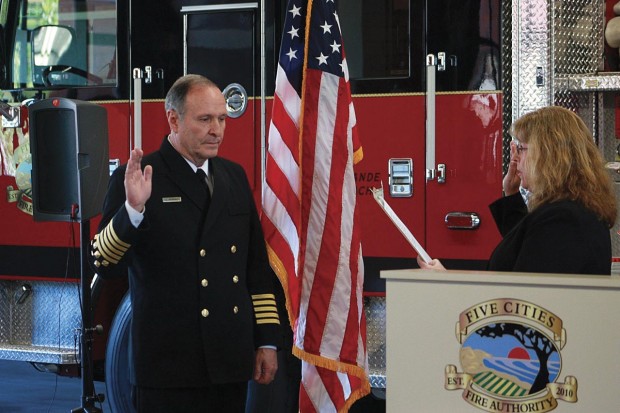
(173, 120)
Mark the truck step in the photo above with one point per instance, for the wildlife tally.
(38, 354)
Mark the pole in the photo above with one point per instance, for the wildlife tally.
(86, 335)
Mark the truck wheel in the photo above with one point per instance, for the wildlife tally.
(117, 360)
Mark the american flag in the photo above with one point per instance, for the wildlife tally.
(310, 216)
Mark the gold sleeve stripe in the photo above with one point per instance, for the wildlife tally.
(107, 251)
(269, 321)
(117, 240)
(266, 308)
(110, 246)
(263, 296)
(106, 254)
(108, 257)
(267, 315)
(264, 303)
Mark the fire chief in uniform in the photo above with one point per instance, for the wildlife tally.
(183, 224)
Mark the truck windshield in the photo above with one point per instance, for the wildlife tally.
(62, 43)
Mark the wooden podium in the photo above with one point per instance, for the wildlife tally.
(462, 341)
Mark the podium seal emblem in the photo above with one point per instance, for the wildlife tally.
(510, 358)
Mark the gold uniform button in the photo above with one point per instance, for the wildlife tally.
(233, 249)
(205, 313)
(235, 279)
(97, 264)
(203, 252)
(204, 282)
(235, 309)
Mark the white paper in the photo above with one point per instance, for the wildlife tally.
(378, 195)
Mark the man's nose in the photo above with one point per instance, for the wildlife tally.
(215, 127)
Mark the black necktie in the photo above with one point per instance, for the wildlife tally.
(202, 176)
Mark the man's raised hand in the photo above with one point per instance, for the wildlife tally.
(137, 182)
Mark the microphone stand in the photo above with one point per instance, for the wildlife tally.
(89, 397)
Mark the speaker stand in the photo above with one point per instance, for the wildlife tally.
(89, 397)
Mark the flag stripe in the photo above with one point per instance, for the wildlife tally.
(281, 220)
(284, 131)
(327, 201)
(288, 198)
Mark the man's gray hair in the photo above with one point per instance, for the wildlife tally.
(175, 98)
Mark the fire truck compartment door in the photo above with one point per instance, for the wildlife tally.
(220, 42)
(223, 42)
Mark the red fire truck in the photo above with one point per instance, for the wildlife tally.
(436, 85)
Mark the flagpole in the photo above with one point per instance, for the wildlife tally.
(263, 99)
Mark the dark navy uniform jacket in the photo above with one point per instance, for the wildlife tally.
(559, 237)
(202, 291)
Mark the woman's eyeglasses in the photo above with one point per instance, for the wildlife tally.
(521, 149)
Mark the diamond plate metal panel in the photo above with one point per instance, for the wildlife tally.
(44, 355)
(5, 314)
(577, 36)
(553, 40)
(607, 126)
(56, 314)
(16, 315)
(39, 321)
(591, 83)
(506, 80)
(375, 339)
(530, 56)
(577, 49)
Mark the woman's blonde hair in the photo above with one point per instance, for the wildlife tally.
(564, 163)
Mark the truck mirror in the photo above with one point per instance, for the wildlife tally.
(57, 60)
(50, 44)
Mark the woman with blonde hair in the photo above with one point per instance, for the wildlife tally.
(565, 225)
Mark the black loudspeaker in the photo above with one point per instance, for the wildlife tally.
(70, 163)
